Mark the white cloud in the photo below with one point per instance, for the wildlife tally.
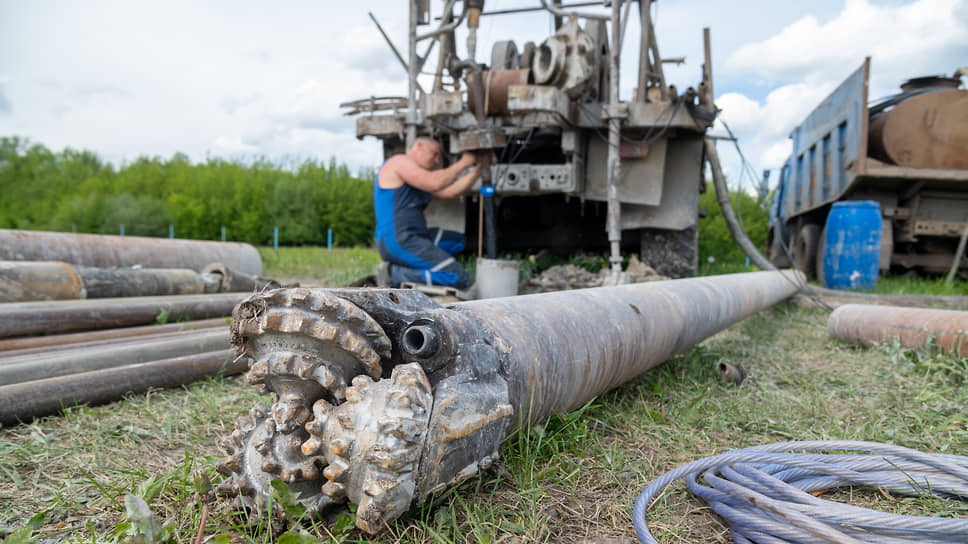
(925, 35)
(763, 127)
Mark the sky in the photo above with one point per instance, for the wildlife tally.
(246, 79)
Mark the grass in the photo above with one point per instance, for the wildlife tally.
(312, 266)
(899, 285)
(570, 479)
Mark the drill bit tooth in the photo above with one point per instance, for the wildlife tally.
(354, 394)
(361, 381)
(335, 491)
(289, 414)
(337, 446)
(268, 465)
(336, 470)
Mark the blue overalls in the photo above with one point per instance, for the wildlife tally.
(417, 254)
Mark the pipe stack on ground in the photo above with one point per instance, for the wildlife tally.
(40, 380)
(24, 281)
(11, 346)
(74, 360)
(912, 327)
(106, 251)
(31, 318)
(39, 375)
(22, 402)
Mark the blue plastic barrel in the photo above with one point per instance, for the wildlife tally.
(851, 245)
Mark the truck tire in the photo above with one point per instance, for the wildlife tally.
(774, 244)
(820, 256)
(804, 250)
(673, 253)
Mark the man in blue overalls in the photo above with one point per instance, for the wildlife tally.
(402, 189)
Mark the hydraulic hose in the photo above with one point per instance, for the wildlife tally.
(765, 493)
(719, 181)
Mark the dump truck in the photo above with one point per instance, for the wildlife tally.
(571, 166)
(908, 152)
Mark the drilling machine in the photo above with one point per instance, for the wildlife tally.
(572, 167)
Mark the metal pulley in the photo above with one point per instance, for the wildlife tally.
(505, 55)
(566, 59)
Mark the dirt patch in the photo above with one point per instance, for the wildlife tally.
(568, 276)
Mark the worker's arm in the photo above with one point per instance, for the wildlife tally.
(432, 181)
(462, 185)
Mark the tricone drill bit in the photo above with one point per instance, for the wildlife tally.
(384, 398)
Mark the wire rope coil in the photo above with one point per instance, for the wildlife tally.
(764, 493)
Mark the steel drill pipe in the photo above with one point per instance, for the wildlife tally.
(61, 316)
(31, 280)
(24, 281)
(13, 346)
(24, 401)
(106, 251)
(912, 327)
(105, 344)
(64, 362)
(454, 380)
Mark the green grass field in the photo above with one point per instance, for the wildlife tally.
(571, 479)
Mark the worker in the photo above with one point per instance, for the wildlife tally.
(402, 189)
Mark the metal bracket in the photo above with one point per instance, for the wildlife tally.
(615, 111)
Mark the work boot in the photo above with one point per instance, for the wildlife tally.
(383, 277)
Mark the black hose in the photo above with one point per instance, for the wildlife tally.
(722, 194)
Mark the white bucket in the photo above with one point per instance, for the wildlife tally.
(496, 278)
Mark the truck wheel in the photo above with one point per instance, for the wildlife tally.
(673, 253)
(820, 252)
(774, 243)
(804, 250)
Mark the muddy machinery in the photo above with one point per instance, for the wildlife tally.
(571, 165)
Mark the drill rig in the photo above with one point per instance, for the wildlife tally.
(571, 166)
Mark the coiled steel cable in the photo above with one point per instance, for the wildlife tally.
(764, 493)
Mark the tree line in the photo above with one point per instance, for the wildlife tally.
(77, 191)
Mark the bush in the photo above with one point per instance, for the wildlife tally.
(715, 240)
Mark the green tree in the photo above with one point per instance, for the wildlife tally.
(76, 190)
(715, 240)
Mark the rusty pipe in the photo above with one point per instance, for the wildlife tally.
(107, 251)
(912, 327)
(22, 402)
(25, 281)
(454, 380)
(11, 346)
(29, 367)
(61, 316)
(108, 343)
(39, 280)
